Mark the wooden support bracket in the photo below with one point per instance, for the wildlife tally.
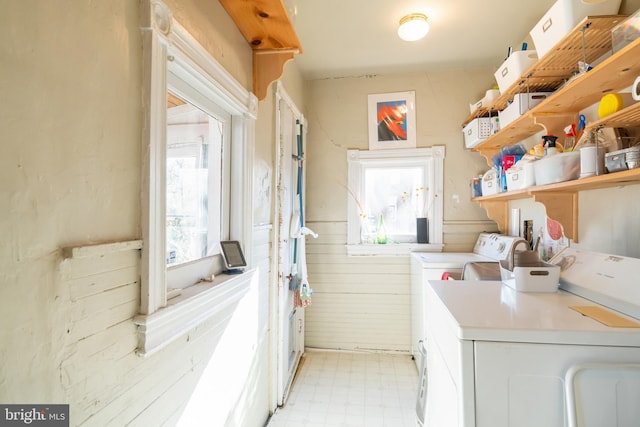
(554, 123)
(562, 207)
(498, 211)
(266, 26)
(268, 66)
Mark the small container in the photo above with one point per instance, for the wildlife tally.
(626, 32)
(544, 277)
(522, 102)
(628, 158)
(514, 67)
(476, 186)
(563, 16)
(591, 161)
(521, 176)
(490, 183)
(477, 131)
(557, 168)
(525, 272)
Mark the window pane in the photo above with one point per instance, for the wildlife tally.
(396, 194)
(193, 200)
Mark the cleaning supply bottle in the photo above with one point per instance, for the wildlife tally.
(569, 137)
(549, 142)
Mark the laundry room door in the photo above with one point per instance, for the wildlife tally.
(289, 213)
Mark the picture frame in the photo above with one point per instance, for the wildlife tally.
(392, 120)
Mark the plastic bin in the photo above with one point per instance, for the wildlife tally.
(514, 67)
(563, 16)
(478, 130)
(625, 33)
(490, 183)
(521, 176)
(557, 168)
(522, 102)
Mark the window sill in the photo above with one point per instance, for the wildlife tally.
(192, 307)
(392, 249)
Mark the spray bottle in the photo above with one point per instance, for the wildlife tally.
(549, 143)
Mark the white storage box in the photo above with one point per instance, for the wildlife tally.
(542, 278)
(478, 130)
(520, 176)
(489, 96)
(514, 67)
(522, 102)
(490, 182)
(563, 16)
(557, 168)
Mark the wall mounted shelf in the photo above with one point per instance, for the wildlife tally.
(267, 28)
(572, 92)
(555, 71)
(560, 200)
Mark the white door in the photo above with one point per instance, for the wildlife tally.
(290, 319)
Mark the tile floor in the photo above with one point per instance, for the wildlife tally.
(351, 389)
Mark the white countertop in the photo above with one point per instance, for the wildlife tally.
(491, 311)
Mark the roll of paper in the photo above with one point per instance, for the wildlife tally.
(635, 89)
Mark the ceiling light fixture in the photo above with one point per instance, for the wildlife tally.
(413, 27)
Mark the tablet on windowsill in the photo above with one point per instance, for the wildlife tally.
(233, 257)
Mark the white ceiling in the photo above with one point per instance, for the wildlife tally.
(358, 37)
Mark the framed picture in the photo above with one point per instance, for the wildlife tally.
(392, 120)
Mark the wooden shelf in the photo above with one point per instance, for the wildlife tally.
(627, 117)
(267, 28)
(561, 63)
(557, 71)
(560, 199)
(573, 93)
(554, 113)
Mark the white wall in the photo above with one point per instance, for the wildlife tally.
(70, 176)
(364, 302)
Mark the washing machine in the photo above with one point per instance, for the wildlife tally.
(489, 248)
(498, 357)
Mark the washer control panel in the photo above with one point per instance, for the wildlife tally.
(495, 246)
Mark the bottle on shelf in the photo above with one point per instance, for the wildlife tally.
(549, 143)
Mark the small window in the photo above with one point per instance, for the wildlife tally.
(388, 191)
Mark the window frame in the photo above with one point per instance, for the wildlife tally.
(184, 275)
(358, 160)
(169, 51)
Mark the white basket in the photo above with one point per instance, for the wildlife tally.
(477, 131)
(563, 16)
(520, 176)
(490, 183)
(543, 278)
(514, 67)
(522, 102)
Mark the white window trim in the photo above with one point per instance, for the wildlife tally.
(356, 160)
(168, 46)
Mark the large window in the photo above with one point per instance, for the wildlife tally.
(196, 182)
(194, 163)
(388, 191)
(197, 187)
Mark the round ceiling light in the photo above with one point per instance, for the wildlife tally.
(413, 27)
